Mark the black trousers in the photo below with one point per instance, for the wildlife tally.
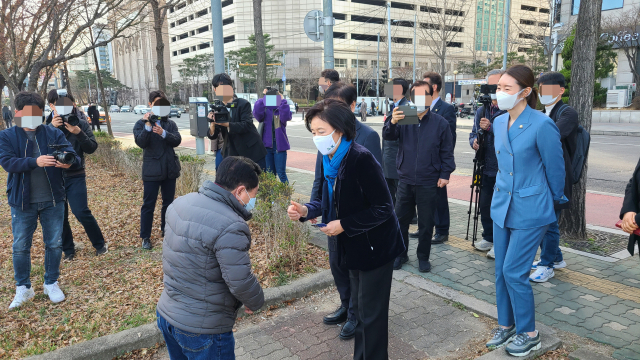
(408, 198)
(441, 216)
(93, 127)
(76, 189)
(151, 188)
(393, 188)
(370, 291)
(340, 275)
(486, 195)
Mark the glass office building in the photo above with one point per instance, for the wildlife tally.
(489, 25)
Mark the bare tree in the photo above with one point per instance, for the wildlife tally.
(261, 78)
(573, 222)
(620, 28)
(303, 81)
(159, 9)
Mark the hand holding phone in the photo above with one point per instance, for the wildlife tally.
(319, 225)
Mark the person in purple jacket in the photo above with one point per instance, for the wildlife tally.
(273, 112)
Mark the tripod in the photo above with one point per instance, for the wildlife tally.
(476, 185)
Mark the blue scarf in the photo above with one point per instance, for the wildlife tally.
(331, 167)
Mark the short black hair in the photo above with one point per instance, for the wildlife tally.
(341, 91)
(25, 98)
(238, 170)
(552, 78)
(221, 79)
(335, 113)
(434, 78)
(52, 97)
(331, 74)
(403, 82)
(156, 94)
(420, 83)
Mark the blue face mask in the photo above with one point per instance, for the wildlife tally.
(251, 204)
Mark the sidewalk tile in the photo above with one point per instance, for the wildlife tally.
(585, 312)
(575, 329)
(594, 322)
(606, 339)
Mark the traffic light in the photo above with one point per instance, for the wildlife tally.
(384, 75)
(113, 99)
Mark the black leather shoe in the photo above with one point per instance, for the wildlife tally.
(439, 239)
(414, 221)
(424, 265)
(146, 244)
(349, 329)
(397, 264)
(69, 257)
(414, 234)
(336, 317)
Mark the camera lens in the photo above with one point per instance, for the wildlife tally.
(73, 120)
(153, 117)
(66, 158)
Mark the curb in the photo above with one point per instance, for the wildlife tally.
(547, 334)
(109, 346)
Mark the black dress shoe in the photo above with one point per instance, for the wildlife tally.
(414, 221)
(424, 265)
(349, 329)
(336, 317)
(69, 257)
(414, 234)
(397, 264)
(439, 239)
(146, 244)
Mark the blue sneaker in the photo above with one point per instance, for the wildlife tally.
(501, 336)
(523, 344)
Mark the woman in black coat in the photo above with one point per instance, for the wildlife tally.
(630, 212)
(356, 207)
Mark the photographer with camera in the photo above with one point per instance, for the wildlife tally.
(482, 135)
(234, 120)
(73, 124)
(273, 112)
(34, 155)
(157, 135)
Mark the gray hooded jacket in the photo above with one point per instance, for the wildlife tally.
(205, 258)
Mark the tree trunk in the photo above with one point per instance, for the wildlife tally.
(261, 77)
(573, 222)
(34, 75)
(158, 21)
(2, 83)
(67, 81)
(101, 89)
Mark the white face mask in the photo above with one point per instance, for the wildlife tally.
(547, 99)
(321, 89)
(325, 144)
(161, 110)
(64, 110)
(508, 101)
(31, 122)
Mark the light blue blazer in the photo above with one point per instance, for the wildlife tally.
(531, 171)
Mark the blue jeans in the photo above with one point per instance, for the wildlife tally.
(24, 223)
(183, 345)
(219, 158)
(550, 247)
(277, 163)
(76, 189)
(515, 250)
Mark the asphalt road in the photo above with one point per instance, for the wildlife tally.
(612, 159)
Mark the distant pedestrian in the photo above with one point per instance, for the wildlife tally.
(296, 108)
(373, 108)
(273, 112)
(363, 111)
(94, 115)
(7, 116)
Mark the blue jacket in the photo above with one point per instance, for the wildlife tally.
(426, 150)
(15, 158)
(491, 163)
(531, 171)
(366, 137)
(371, 236)
(448, 112)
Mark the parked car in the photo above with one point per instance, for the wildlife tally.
(114, 108)
(175, 111)
(292, 106)
(125, 108)
(102, 118)
(141, 109)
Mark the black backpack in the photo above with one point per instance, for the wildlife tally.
(582, 149)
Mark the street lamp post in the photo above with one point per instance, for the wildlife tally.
(453, 99)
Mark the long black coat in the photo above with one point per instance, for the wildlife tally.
(159, 160)
(94, 115)
(567, 123)
(390, 147)
(632, 203)
(371, 236)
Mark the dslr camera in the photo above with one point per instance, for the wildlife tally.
(486, 91)
(220, 111)
(61, 156)
(70, 119)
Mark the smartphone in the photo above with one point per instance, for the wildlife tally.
(410, 113)
(320, 225)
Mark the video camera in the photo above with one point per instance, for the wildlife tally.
(486, 91)
(220, 111)
(61, 156)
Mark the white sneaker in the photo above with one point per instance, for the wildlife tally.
(491, 254)
(55, 294)
(484, 245)
(535, 265)
(556, 265)
(542, 274)
(22, 295)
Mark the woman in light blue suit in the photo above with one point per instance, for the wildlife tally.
(530, 178)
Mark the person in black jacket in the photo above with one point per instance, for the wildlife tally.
(7, 116)
(448, 112)
(94, 115)
(551, 85)
(370, 139)
(241, 138)
(390, 147)
(75, 179)
(357, 210)
(425, 162)
(630, 212)
(160, 164)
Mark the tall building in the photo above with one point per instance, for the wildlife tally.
(104, 53)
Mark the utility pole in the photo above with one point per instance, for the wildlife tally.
(378, 72)
(218, 42)
(328, 23)
(415, 22)
(357, 71)
(389, 38)
(507, 16)
(284, 72)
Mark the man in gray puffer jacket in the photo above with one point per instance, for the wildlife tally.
(207, 270)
